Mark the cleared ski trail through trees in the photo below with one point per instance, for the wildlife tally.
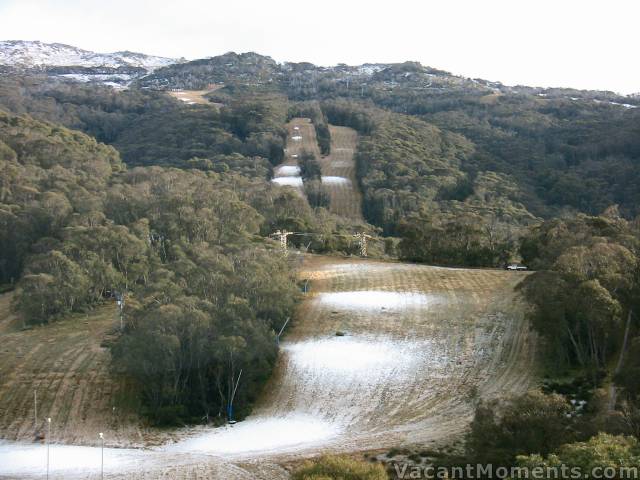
(339, 174)
(385, 354)
(338, 168)
(66, 363)
(301, 136)
(196, 97)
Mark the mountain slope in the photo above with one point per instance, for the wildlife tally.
(245, 68)
(70, 63)
(549, 150)
(27, 54)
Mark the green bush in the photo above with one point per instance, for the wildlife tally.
(601, 451)
(340, 468)
(531, 423)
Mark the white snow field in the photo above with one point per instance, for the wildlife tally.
(287, 171)
(288, 181)
(20, 54)
(21, 459)
(343, 357)
(375, 300)
(260, 435)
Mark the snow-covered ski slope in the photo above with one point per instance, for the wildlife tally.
(379, 354)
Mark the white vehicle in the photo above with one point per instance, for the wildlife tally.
(516, 267)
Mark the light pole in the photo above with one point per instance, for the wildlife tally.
(102, 456)
(120, 302)
(48, 435)
(280, 332)
(35, 411)
(230, 406)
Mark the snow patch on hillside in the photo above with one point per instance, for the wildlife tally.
(288, 181)
(18, 459)
(375, 300)
(343, 355)
(287, 171)
(260, 434)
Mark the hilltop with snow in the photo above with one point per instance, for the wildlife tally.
(32, 54)
(71, 63)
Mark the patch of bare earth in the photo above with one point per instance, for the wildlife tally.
(196, 97)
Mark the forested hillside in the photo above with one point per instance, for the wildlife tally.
(185, 245)
(477, 160)
(169, 205)
(151, 128)
(245, 69)
(564, 151)
(51, 177)
(476, 173)
(584, 301)
(553, 150)
(176, 245)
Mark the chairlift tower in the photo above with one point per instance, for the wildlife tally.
(282, 236)
(120, 299)
(362, 242)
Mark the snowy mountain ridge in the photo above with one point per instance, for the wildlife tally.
(36, 54)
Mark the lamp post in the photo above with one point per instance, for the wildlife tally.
(35, 411)
(280, 332)
(48, 441)
(101, 456)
